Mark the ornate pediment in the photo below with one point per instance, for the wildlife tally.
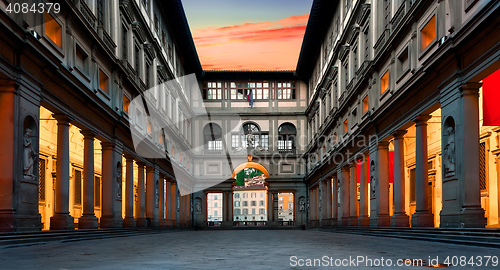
(139, 34)
(125, 7)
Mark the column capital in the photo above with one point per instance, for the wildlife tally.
(107, 145)
(470, 88)
(62, 119)
(399, 134)
(383, 145)
(346, 168)
(422, 120)
(88, 134)
(128, 157)
(141, 164)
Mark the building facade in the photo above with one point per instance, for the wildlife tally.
(395, 108)
(380, 124)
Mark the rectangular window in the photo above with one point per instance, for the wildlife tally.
(81, 60)
(245, 203)
(253, 211)
(103, 81)
(412, 186)
(365, 104)
(53, 30)
(262, 211)
(428, 33)
(41, 179)
(261, 203)
(212, 90)
(148, 127)
(97, 191)
(215, 204)
(235, 143)
(384, 82)
(265, 141)
(78, 187)
(346, 126)
(286, 90)
(126, 104)
(215, 212)
(253, 203)
(147, 80)
(124, 42)
(137, 62)
(482, 167)
(100, 12)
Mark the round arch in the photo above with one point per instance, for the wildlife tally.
(251, 165)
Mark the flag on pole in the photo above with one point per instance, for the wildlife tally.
(491, 99)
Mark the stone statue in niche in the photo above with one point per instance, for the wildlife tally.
(119, 181)
(449, 151)
(338, 192)
(302, 204)
(250, 140)
(197, 205)
(29, 154)
(373, 181)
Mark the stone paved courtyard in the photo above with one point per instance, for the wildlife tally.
(237, 249)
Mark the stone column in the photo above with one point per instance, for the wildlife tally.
(270, 206)
(423, 216)
(111, 183)
(383, 218)
(189, 210)
(129, 221)
(345, 196)
(472, 213)
(61, 220)
(168, 204)
(497, 163)
(328, 201)
(353, 202)
(88, 219)
(151, 193)
(175, 204)
(400, 218)
(334, 200)
(161, 202)
(140, 203)
(230, 205)
(364, 219)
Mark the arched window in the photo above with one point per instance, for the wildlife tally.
(212, 134)
(286, 137)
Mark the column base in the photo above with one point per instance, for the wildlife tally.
(62, 222)
(400, 220)
(383, 221)
(168, 222)
(174, 224)
(162, 223)
(333, 222)
(364, 222)
(10, 222)
(473, 217)
(141, 222)
(345, 221)
(88, 222)
(109, 222)
(154, 223)
(129, 222)
(353, 221)
(422, 219)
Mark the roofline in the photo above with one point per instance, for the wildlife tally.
(174, 12)
(250, 74)
(318, 24)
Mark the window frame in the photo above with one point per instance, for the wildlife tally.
(423, 51)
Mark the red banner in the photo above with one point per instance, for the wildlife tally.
(491, 99)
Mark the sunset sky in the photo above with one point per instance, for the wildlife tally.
(248, 35)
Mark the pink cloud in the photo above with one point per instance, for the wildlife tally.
(252, 46)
